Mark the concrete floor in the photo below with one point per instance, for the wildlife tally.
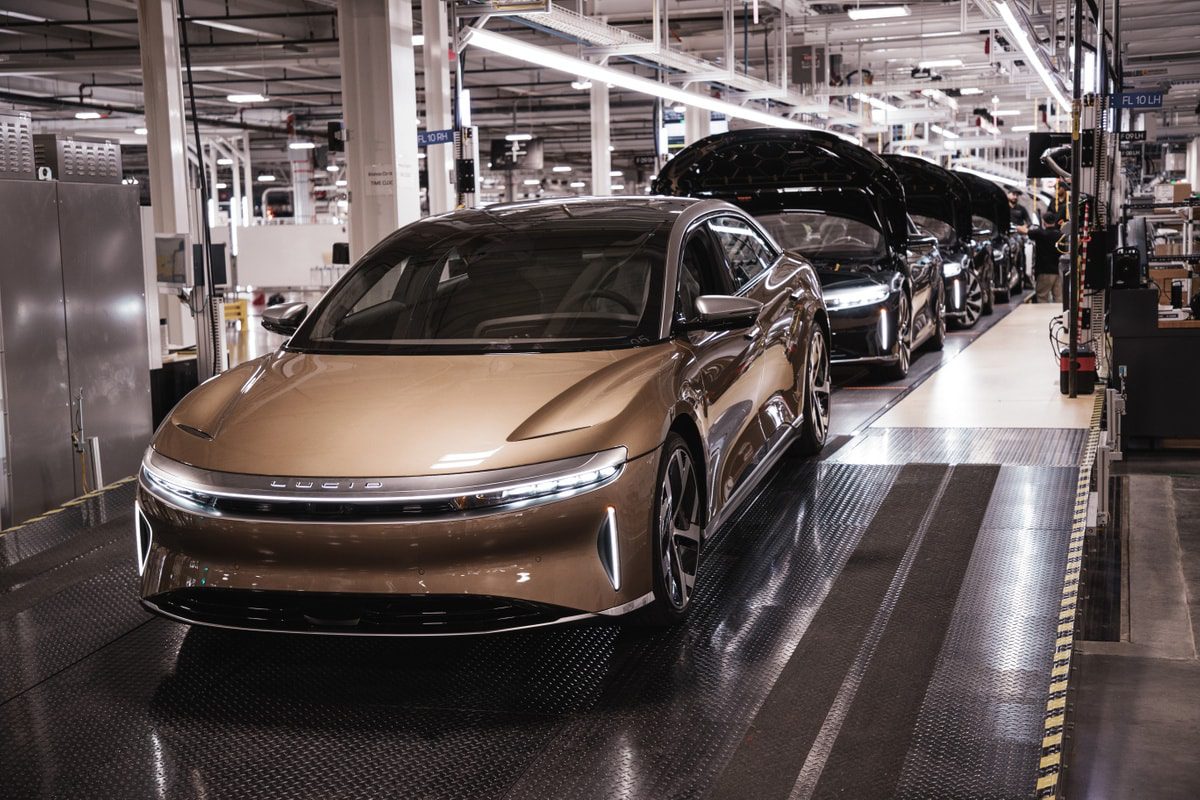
(1136, 711)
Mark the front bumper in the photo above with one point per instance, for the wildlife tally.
(481, 573)
(864, 335)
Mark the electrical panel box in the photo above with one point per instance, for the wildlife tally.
(16, 146)
(78, 160)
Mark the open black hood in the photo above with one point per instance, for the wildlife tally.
(987, 200)
(770, 167)
(933, 191)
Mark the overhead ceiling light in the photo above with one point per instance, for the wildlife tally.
(970, 91)
(87, 115)
(945, 134)
(1007, 112)
(940, 34)
(518, 137)
(990, 177)
(229, 26)
(420, 155)
(679, 108)
(531, 182)
(941, 97)
(141, 131)
(581, 84)
(246, 98)
(1023, 128)
(224, 162)
(1033, 55)
(618, 187)
(877, 12)
(616, 173)
(221, 185)
(301, 145)
(332, 167)
(561, 168)
(874, 101)
(561, 62)
(339, 183)
(940, 62)
(611, 148)
(266, 177)
(578, 184)
(418, 40)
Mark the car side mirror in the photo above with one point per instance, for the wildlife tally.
(719, 312)
(284, 318)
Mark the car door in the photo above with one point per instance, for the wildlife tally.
(759, 271)
(720, 366)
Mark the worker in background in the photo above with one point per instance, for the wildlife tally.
(1018, 215)
(1045, 258)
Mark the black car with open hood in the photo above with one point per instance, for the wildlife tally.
(842, 207)
(993, 228)
(940, 203)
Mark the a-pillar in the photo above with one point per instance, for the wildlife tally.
(162, 85)
(380, 102)
(438, 116)
(697, 122)
(601, 125)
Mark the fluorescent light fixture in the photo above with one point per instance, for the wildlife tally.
(874, 102)
(339, 183)
(581, 84)
(618, 187)
(301, 145)
(1023, 128)
(611, 148)
(940, 34)
(679, 108)
(332, 167)
(420, 155)
(578, 184)
(224, 162)
(141, 131)
(1033, 55)
(941, 97)
(561, 168)
(266, 178)
(87, 115)
(877, 12)
(518, 137)
(418, 40)
(221, 185)
(971, 90)
(940, 62)
(990, 177)
(531, 182)
(246, 98)
(1007, 112)
(616, 173)
(229, 26)
(946, 134)
(510, 47)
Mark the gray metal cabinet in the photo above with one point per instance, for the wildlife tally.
(72, 309)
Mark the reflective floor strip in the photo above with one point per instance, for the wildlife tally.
(69, 504)
(1050, 766)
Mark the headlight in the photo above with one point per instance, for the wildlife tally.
(853, 297)
(952, 268)
(229, 494)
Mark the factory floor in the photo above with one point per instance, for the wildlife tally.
(879, 621)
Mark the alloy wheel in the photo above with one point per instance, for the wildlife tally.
(819, 387)
(679, 528)
(903, 334)
(973, 305)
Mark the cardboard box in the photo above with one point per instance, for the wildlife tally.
(1172, 192)
(1168, 249)
(1164, 278)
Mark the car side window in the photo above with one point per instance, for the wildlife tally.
(698, 272)
(745, 250)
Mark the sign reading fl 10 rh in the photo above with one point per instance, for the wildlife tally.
(1138, 101)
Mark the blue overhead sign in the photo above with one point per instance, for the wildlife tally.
(426, 138)
(1138, 101)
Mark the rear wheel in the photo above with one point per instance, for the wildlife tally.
(817, 391)
(675, 554)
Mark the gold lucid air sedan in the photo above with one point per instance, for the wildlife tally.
(499, 418)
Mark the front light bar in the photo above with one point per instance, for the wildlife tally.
(856, 296)
(228, 494)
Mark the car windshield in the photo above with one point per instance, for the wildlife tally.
(497, 287)
(821, 235)
(942, 231)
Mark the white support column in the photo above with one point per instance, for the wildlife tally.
(380, 100)
(601, 157)
(247, 183)
(162, 84)
(697, 122)
(439, 158)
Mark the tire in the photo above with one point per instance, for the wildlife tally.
(986, 291)
(899, 370)
(973, 303)
(938, 340)
(818, 388)
(675, 551)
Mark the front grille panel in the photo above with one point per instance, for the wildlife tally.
(318, 511)
(321, 612)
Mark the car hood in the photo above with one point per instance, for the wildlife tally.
(320, 415)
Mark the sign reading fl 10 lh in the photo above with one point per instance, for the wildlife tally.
(1138, 101)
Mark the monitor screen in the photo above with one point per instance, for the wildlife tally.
(170, 259)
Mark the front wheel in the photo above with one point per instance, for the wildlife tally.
(818, 389)
(675, 551)
(938, 341)
(972, 300)
(899, 370)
